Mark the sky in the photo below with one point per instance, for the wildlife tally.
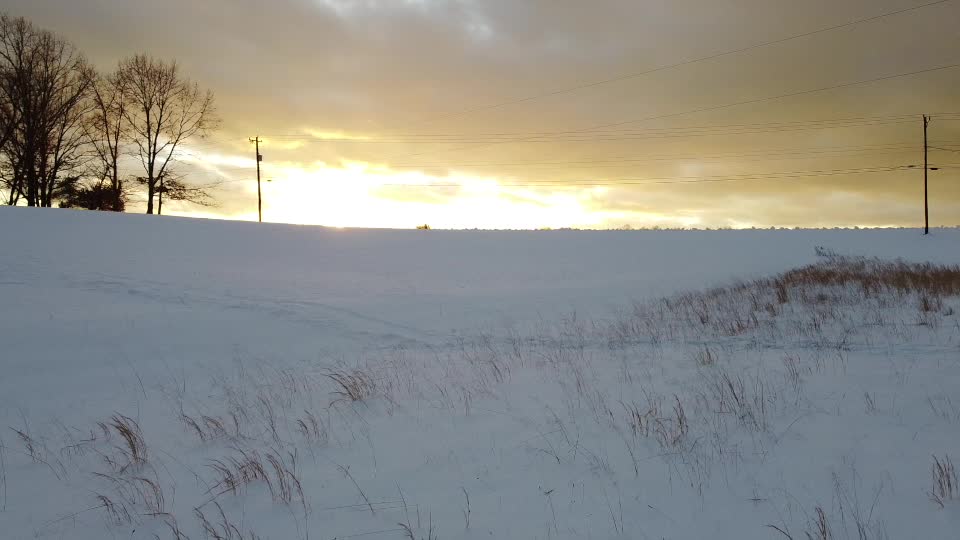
(458, 113)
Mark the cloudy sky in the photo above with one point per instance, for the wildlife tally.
(460, 113)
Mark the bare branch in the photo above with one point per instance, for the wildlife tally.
(44, 85)
(162, 110)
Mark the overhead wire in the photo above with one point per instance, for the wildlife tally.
(676, 180)
(633, 135)
(753, 101)
(613, 134)
(602, 132)
(705, 58)
(787, 153)
(661, 180)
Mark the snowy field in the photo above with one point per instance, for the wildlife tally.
(173, 378)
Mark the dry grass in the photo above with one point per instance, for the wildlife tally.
(236, 472)
(194, 425)
(873, 276)
(705, 356)
(346, 472)
(133, 451)
(672, 431)
(118, 514)
(353, 385)
(466, 511)
(490, 364)
(269, 415)
(820, 527)
(640, 419)
(175, 532)
(278, 473)
(944, 480)
(131, 497)
(943, 407)
(745, 399)
(29, 445)
(408, 530)
(670, 428)
(37, 451)
(288, 486)
(209, 428)
(221, 528)
(795, 372)
(818, 295)
(312, 429)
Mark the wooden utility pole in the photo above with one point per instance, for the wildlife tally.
(256, 141)
(926, 168)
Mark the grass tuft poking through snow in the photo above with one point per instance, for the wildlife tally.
(133, 450)
(354, 385)
(944, 477)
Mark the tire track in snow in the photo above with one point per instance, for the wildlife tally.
(339, 319)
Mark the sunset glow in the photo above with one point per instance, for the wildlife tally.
(522, 115)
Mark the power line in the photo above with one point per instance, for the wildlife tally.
(897, 148)
(840, 122)
(614, 134)
(789, 153)
(681, 180)
(627, 134)
(215, 168)
(207, 141)
(685, 62)
(726, 105)
(780, 96)
(535, 167)
(301, 136)
(622, 161)
(683, 131)
(678, 179)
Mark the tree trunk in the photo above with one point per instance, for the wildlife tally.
(151, 185)
(43, 192)
(149, 197)
(31, 181)
(118, 197)
(117, 187)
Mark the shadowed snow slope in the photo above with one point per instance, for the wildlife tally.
(459, 378)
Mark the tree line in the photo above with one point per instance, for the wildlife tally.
(72, 136)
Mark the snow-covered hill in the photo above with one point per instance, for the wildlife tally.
(190, 378)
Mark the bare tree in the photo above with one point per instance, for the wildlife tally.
(8, 116)
(163, 109)
(45, 85)
(8, 122)
(106, 129)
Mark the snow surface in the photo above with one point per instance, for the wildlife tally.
(489, 379)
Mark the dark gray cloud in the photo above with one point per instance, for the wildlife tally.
(386, 67)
